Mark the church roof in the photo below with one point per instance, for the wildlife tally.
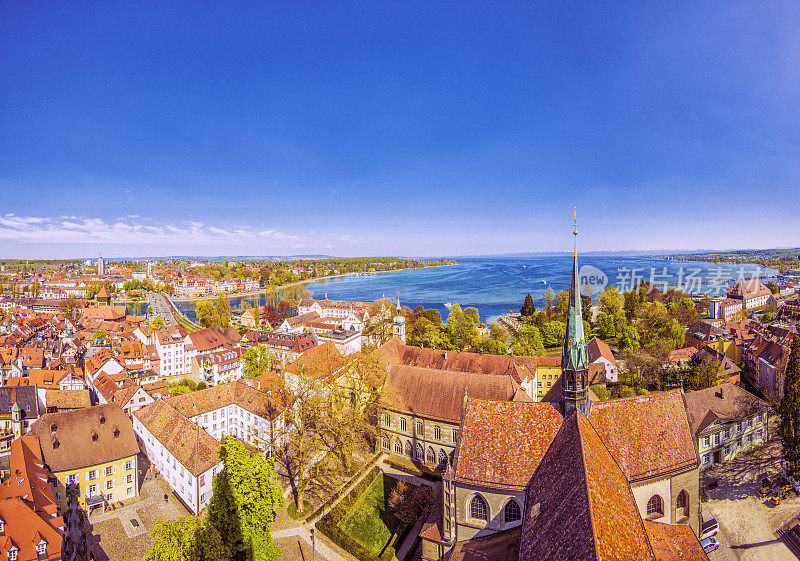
(674, 542)
(647, 434)
(585, 506)
(439, 394)
(103, 293)
(502, 443)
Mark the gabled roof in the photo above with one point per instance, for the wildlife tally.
(726, 402)
(323, 362)
(192, 446)
(648, 434)
(502, 443)
(585, 506)
(212, 338)
(599, 349)
(439, 394)
(674, 542)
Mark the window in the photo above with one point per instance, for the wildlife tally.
(202, 479)
(130, 491)
(387, 420)
(455, 435)
(726, 434)
(110, 497)
(478, 508)
(437, 432)
(655, 507)
(398, 446)
(93, 474)
(408, 449)
(419, 453)
(442, 457)
(418, 428)
(109, 470)
(92, 490)
(431, 456)
(128, 465)
(750, 422)
(110, 484)
(683, 504)
(12, 554)
(706, 441)
(385, 443)
(402, 424)
(512, 512)
(129, 478)
(202, 497)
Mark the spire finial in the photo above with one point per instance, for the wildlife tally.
(575, 230)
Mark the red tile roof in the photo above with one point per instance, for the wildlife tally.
(502, 443)
(674, 542)
(648, 434)
(726, 402)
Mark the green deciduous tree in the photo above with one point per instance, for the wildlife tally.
(773, 287)
(553, 333)
(706, 374)
(789, 410)
(433, 316)
(528, 342)
(257, 360)
(186, 539)
(223, 309)
(206, 313)
(629, 339)
(549, 298)
(611, 301)
(561, 305)
(472, 313)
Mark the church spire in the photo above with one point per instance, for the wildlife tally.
(574, 355)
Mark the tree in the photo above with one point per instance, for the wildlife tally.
(528, 307)
(185, 539)
(553, 333)
(100, 335)
(674, 334)
(611, 301)
(706, 374)
(789, 410)
(498, 333)
(549, 297)
(773, 287)
(629, 339)
(472, 313)
(70, 308)
(223, 516)
(257, 360)
(257, 313)
(425, 334)
(528, 342)
(491, 346)
(562, 305)
(223, 309)
(157, 322)
(433, 315)
(206, 313)
(256, 494)
(462, 331)
(407, 502)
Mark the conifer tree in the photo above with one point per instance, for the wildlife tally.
(789, 410)
(528, 308)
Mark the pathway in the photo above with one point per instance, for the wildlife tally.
(305, 533)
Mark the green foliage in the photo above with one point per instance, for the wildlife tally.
(157, 322)
(186, 539)
(370, 522)
(528, 307)
(528, 342)
(627, 391)
(600, 391)
(549, 298)
(611, 301)
(100, 335)
(461, 330)
(498, 333)
(561, 305)
(789, 410)
(472, 313)
(629, 339)
(185, 385)
(206, 313)
(706, 374)
(433, 316)
(223, 310)
(553, 333)
(768, 317)
(257, 360)
(256, 495)
(491, 346)
(773, 287)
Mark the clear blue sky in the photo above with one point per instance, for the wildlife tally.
(413, 128)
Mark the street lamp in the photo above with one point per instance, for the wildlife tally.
(313, 547)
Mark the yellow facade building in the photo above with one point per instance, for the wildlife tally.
(94, 447)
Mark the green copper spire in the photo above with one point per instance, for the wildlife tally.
(574, 355)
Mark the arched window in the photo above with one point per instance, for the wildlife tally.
(683, 504)
(385, 443)
(420, 453)
(402, 424)
(478, 508)
(512, 512)
(409, 448)
(452, 456)
(437, 432)
(387, 420)
(398, 446)
(431, 455)
(442, 457)
(655, 507)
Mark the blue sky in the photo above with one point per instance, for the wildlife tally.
(412, 128)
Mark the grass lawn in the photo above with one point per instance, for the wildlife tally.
(370, 523)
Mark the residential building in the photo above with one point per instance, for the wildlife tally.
(183, 453)
(600, 354)
(218, 367)
(752, 292)
(726, 420)
(724, 308)
(94, 448)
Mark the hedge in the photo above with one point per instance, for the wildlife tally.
(338, 493)
(417, 469)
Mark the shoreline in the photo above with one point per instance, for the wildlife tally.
(295, 283)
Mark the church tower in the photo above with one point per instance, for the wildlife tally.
(574, 355)
(16, 420)
(399, 324)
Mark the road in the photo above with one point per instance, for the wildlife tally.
(161, 307)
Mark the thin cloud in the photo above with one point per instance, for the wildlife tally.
(58, 230)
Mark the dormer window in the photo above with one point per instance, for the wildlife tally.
(95, 436)
(116, 432)
(2, 526)
(53, 427)
(12, 553)
(56, 444)
(41, 547)
(102, 421)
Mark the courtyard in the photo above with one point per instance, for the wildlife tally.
(747, 521)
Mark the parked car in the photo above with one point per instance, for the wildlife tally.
(709, 544)
(709, 528)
